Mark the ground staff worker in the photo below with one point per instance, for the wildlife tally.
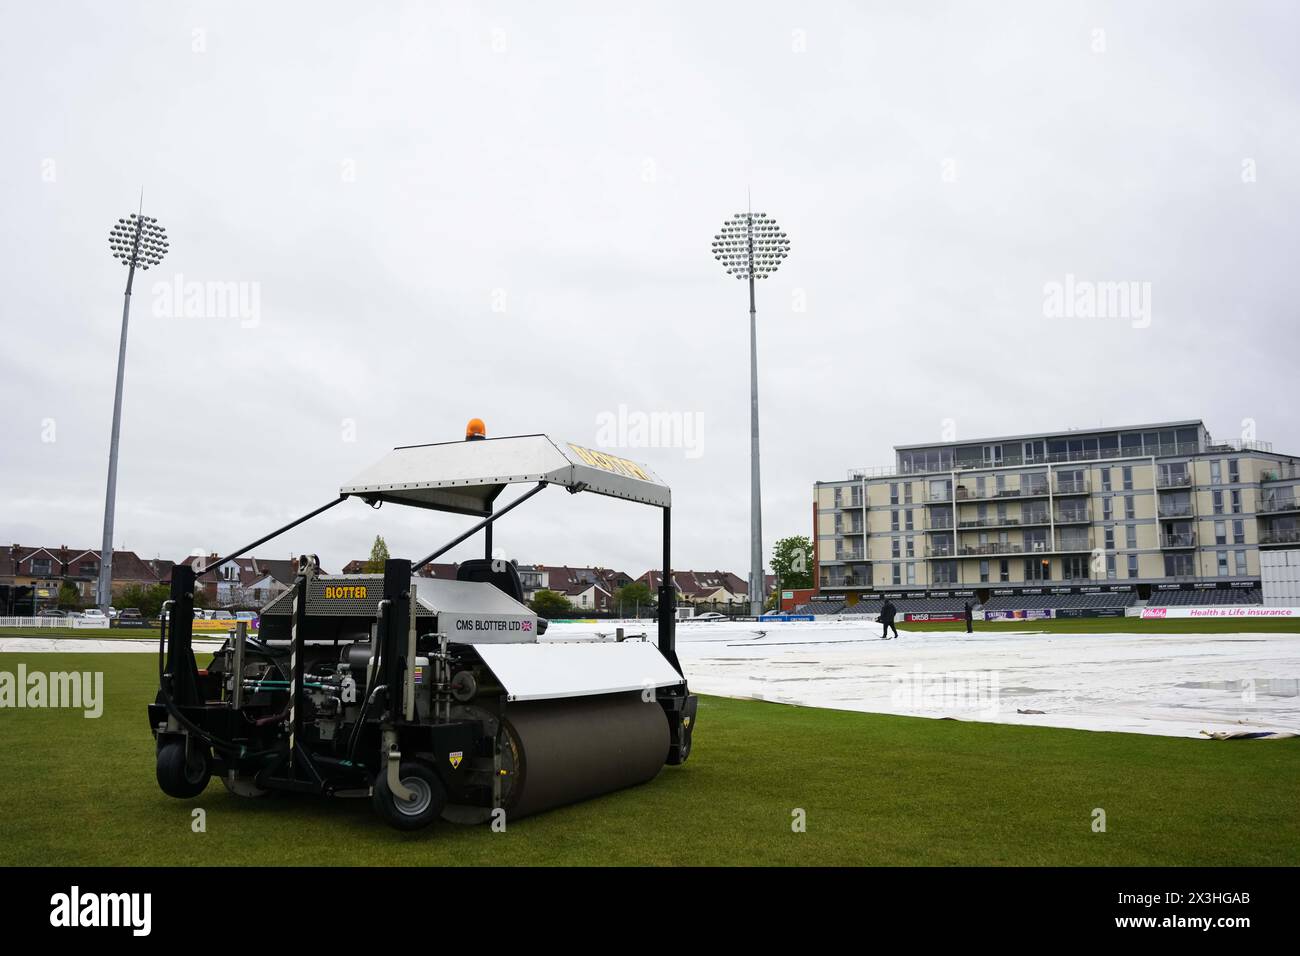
(887, 612)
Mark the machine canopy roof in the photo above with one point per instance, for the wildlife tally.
(466, 476)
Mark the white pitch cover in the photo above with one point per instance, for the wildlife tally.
(550, 670)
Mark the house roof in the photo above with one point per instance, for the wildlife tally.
(569, 580)
(127, 565)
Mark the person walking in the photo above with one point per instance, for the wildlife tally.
(970, 619)
(887, 613)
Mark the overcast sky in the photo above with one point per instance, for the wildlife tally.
(504, 210)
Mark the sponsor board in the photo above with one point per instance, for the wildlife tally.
(1160, 613)
(930, 616)
(1025, 614)
(1089, 612)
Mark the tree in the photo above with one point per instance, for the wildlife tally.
(378, 555)
(632, 597)
(792, 562)
(548, 604)
(69, 596)
(148, 599)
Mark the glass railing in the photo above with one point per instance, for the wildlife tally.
(1185, 539)
(1280, 536)
(1269, 505)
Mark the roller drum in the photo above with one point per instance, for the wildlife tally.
(570, 749)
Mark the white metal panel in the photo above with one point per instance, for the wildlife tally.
(474, 612)
(468, 475)
(550, 670)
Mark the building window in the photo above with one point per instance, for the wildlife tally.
(1110, 567)
(1216, 473)
(1038, 570)
(911, 572)
(1236, 502)
(893, 521)
(1218, 502)
(911, 548)
(1132, 565)
(1128, 477)
(984, 571)
(41, 567)
(1241, 563)
(1223, 563)
(893, 492)
(907, 516)
(1105, 479)
(895, 547)
(896, 573)
(1106, 510)
(1221, 532)
(1129, 512)
(1238, 532)
(1131, 536)
(1234, 471)
(1004, 570)
(1110, 538)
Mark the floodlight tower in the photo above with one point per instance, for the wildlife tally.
(139, 242)
(751, 246)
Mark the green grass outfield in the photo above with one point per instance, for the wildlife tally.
(876, 790)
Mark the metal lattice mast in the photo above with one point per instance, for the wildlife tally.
(139, 242)
(751, 246)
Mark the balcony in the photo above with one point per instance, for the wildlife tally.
(941, 551)
(846, 581)
(1181, 539)
(1070, 544)
(1021, 521)
(1279, 536)
(848, 529)
(1277, 504)
(1073, 516)
(1077, 486)
(1281, 471)
(849, 554)
(1032, 490)
(940, 522)
(1174, 481)
(1175, 511)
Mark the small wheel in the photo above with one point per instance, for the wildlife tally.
(430, 797)
(179, 777)
(244, 785)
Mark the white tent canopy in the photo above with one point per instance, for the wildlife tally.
(467, 476)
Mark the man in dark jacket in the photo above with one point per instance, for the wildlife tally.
(887, 612)
(970, 619)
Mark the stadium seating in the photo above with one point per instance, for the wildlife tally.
(820, 607)
(1206, 597)
(1033, 602)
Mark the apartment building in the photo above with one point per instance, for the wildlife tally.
(1147, 505)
